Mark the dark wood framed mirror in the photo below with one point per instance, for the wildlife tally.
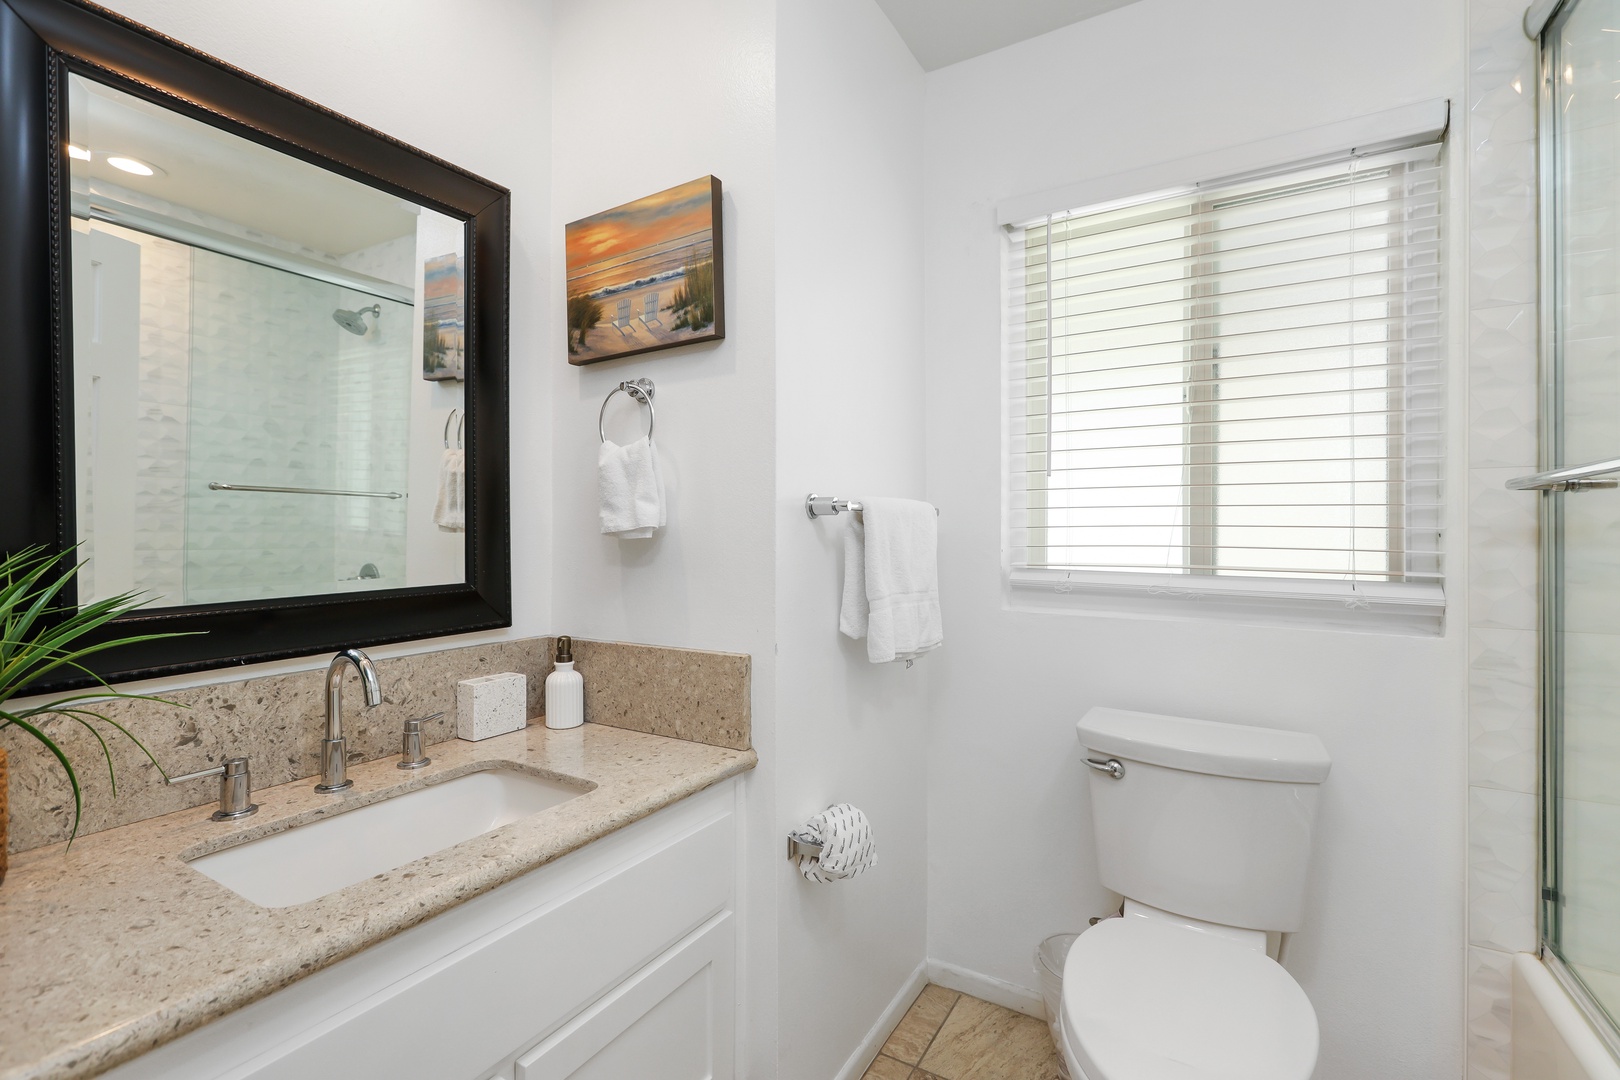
(291, 464)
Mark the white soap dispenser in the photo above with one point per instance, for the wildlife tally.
(565, 689)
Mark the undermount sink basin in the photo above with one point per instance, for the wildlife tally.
(308, 861)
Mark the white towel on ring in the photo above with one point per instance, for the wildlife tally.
(891, 579)
(450, 510)
(845, 837)
(630, 488)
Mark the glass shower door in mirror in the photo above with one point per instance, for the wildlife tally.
(266, 367)
(1581, 534)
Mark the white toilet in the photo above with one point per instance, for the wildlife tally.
(1205, 829)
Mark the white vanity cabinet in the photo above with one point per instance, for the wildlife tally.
(616, 961)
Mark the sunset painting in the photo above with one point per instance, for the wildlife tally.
(444, 330)
(646, 275)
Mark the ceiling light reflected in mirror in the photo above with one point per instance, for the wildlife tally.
(131, 165)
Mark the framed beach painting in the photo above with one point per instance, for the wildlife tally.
(444, 329)
(646, 275)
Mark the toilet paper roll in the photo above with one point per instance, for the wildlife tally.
(845, 837)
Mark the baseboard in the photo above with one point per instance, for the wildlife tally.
(1009, 995)
(864, 1054)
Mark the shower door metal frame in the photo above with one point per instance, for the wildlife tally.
(1549, 504)
(1551, 530)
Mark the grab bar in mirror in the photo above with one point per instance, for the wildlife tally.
(217, 486)
(1570, 478)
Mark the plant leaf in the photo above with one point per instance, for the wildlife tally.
(56, 751)
(106, 751)
(40, 635)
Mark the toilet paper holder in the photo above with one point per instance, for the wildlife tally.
(797, 847)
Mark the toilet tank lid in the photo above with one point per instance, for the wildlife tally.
(1204, 746)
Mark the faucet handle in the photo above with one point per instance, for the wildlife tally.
(410, 751)
(235, 788)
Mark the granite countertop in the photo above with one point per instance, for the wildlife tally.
(117, 946)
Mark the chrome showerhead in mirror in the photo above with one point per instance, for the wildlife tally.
(353, 322)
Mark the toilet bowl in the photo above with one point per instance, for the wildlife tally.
(1206, 830)
(1150, 1000)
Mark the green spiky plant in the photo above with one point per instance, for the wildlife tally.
(39, 637)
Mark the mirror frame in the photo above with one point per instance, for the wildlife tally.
(41, 42)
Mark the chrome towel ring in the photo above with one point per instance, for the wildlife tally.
(641, 390)
(460, 426)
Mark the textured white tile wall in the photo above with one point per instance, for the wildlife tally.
(262, 384)
(163, 417)
(1503, 675)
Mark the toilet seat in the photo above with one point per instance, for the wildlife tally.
(1146, 1000)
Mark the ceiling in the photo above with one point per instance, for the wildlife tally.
(223, 175)
(941, 32)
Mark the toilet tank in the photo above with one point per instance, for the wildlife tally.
(1209, 820)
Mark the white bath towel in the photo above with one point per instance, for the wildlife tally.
(845, 837)
(631, 490)
(891, 579)
(450, 510)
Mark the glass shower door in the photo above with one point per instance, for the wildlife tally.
(1581, 519)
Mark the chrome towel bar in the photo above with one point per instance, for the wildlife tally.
(217, 486)
(825, 505)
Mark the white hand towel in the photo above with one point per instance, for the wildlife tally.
(845, 837)
(631, 490)
(891, 579)
(450, 510)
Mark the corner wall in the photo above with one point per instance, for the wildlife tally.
(1157, 81)
(849, 422)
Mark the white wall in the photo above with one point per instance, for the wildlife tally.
(635, 113)
(646, 96)
(1011, 858)
(457, 90)
(850, 422)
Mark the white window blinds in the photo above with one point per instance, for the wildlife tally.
(1245, 380)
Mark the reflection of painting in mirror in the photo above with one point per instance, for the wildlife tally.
(646, 275)
(444, 327)
(246, 329)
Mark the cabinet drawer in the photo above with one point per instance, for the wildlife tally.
(486, 999)
(672, 1020)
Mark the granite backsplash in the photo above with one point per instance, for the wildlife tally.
(277, 723)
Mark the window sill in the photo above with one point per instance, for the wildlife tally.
(1366, 606)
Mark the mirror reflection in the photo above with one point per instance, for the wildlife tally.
(266, 367)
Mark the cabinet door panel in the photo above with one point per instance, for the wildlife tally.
(489, 998)
(672, 1020)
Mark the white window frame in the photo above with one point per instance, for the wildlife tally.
(1374, 606)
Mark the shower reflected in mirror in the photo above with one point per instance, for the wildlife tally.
(228, 437)
(353, 321)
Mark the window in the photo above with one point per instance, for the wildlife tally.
(1244, 389)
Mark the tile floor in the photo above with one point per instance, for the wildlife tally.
(951, 1036)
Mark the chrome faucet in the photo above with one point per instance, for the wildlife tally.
(334, 769)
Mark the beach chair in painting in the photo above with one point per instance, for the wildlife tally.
(621, 321)
(649, 311)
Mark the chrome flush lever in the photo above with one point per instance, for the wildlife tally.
(235, 788)
(1112, 767)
